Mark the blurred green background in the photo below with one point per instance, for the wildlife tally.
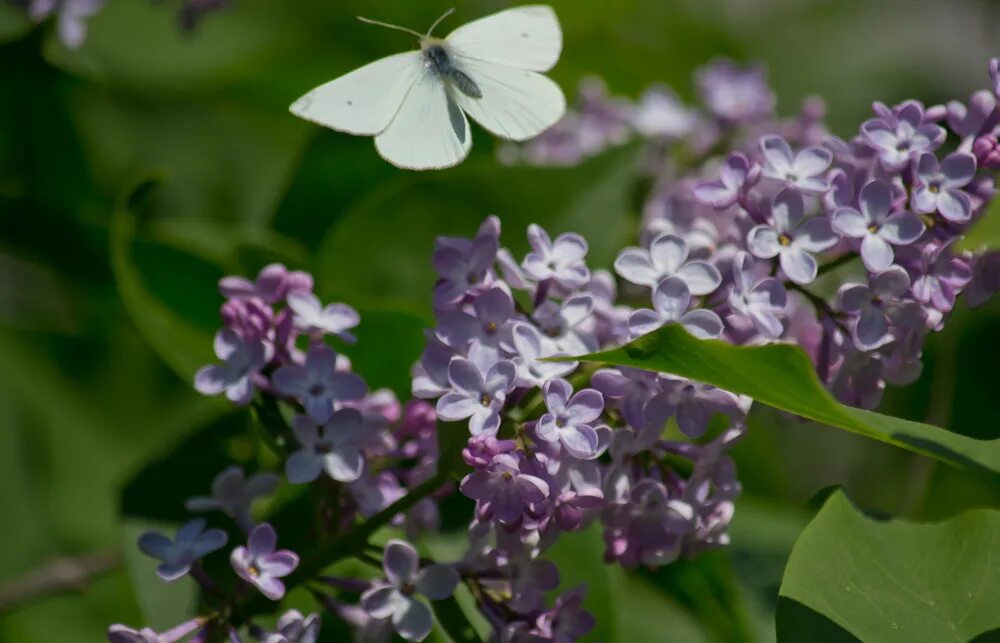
(104, 315)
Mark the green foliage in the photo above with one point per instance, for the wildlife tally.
(891, 580)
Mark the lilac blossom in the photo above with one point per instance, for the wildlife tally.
(792, 237)
(122, 634)
(492, 310)
(561, 260)
(671, 301)
(333, 447)
(762, 302)
(646, 527)
(569, 419)
(562, 323)
(233, 494)
(567, 620)
(504, 491)
(985, 278)
(318, 384)
(465, 266)
(274, 283)
(480, 389)
(803, 171)
(661, 114)
(986, 149)
(695, 404)
(261, 564)
(293, 627)
(241, 361)
(736, 175)
(191, 543)
(940, 276)
(941, 186)
(310, 316)
(733, 93)
(395, 599)
(877, 226)
(71, 17)
(530, 347)
(974, 119)
(900, 134)
(878, 305)
(667, 256)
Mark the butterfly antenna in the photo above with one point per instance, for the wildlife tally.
(438, 21)
(388, 26)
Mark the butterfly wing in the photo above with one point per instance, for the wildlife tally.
(516, 104)
(526, 37)
(364, 101)
(429, 131)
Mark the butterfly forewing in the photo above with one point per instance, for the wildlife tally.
(526, 37)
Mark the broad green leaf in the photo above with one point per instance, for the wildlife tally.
(452, 619)
(891, 580)
(782, 376)
(648, 614)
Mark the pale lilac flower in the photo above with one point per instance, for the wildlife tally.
(561, 261)
(735, 94)
(274, 283)
(661, 114)
(481, 449)
(695, 404)
(531, 347)
(241, 360)
(762, 302)
(122, 634)
(523, 578)
(902, 134)
(995, 76)
(803, 171)
(792, 238)
(671, 301)
(373, 493)
(563, 323)
(251, 318)
(858, 382)
(579, 491)
(261, 564)
(667, 256)
(941, 186)
(569, 419)
(491, 311)
(464, 265)
(233, 494)
(71, 17)
(736, 175)
(878, 305)
(647, 528)
(396, 599)
(191, 543)
(318, 384)
(567, 621)
(877, 226)
(480, 389)
(293, 627)
(312, 317)
(504, 491)
(333, 447)
(430, 374)
(940, 276)
(974, 119)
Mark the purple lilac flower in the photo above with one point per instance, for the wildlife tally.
(974, 119)
(504, 491)
(491, 311)
(563, 323)
(941, 186)
(318, 384)
(986, 148)
(940, 276)
(667, 256)
(251, 318)
(333, 447)
(241, 360)
(310, 316)
(71, 17)
(735, 94)
(191, 543)
(293, 627)
(901, 134)
(530, 347)
(395, 599)
(373, 493)
(695, 404)
(878, 305)
(671, 301)
(661, 114)
(524, 578)
(803, 171)
(122, 634)
(261, 564)
(567, 621)
(759, 301)
(646, 528)
(464, 265)
(233, 494)
(877, 226)
(792, 237)
(481, 450)
(569, 419)
(561, 261)
(578, 492)
(480, 389)
(273, 284)
(736, 175)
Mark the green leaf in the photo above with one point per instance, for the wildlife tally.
(985, 232)
(580, 559)
(454, 622)
(782, 376)
(892, 580)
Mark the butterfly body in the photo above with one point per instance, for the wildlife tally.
(415, 104)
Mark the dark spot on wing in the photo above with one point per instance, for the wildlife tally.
(458, 124)
(350, 102)
(524, 35)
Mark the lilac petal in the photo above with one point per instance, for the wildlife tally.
(878, 132)
(236, 287)
(172, 571)
(903, 227)
(456, 406)
(280, 563)
(634, 265)
(777, 153)
(853, 297)
(381, 601)
(348, 386)
(815, 235)
(291, 380)
(401, 563)
(484, 422)
(876, 253)
(701, 277)
(477, 485)
(813, 161)
(538, 238)
(924, 200)
(340, 316)
(494, 305)
(850, 223)
(305, 430)
(894, 282)
(927, 167)
(155, 544)
(344, 464)
(703, 324)
(787, 210)
(321, 361)
(576, 309)
(586, 406)
(210, 541)
(270, 587)
(502, 377)
(762, 241)
(955, 205)
(813, 185)
(546, 428)
(226, 343)
(692, 419)
(531, 488)
(668, 253)
(464, 376)
(799, 265)
(672, 298)
(556, 393)
(437, 582)
(715, 194)
(959, 169)
(876, 201)
(212, 379)
(303, 466)
(644, 321)
(766, 324)
(319, 408)
(263, 539)
(412, 620)
(769, 293)
(580, 441)
(734, 171)
(570, 248)
(241, 392)
(872, 329)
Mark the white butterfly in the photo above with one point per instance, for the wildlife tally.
(415, 103)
